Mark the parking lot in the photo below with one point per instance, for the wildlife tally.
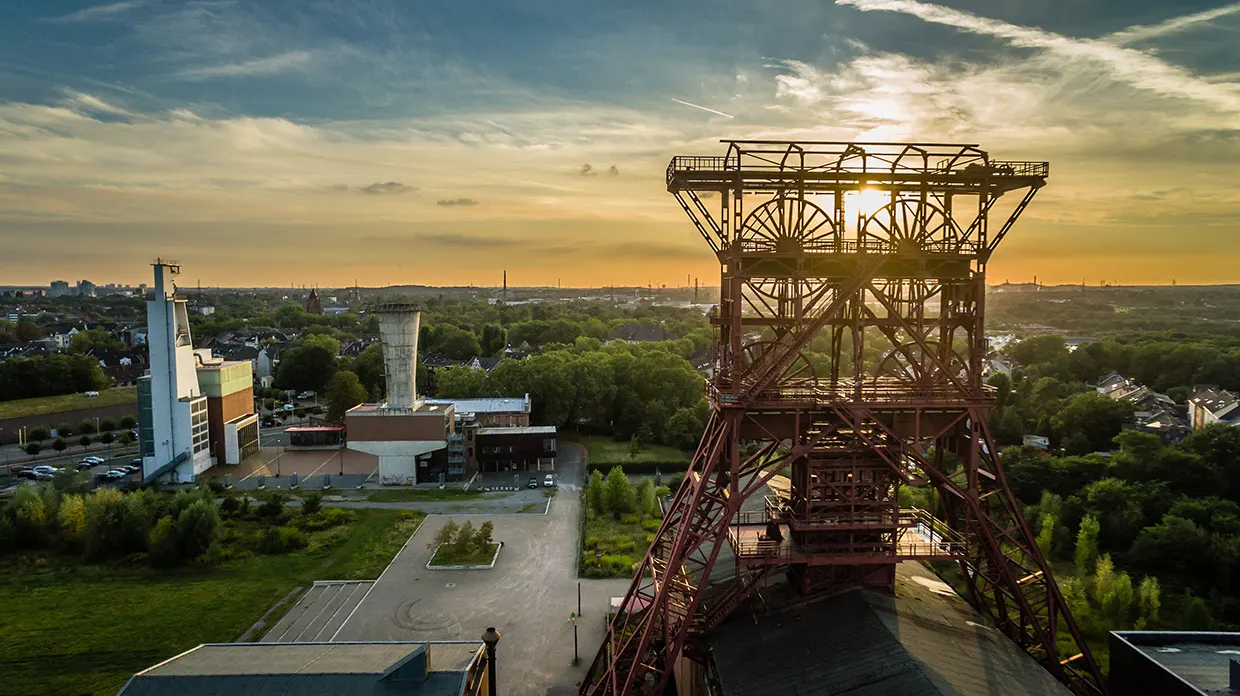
(344, 467)
(528, 596)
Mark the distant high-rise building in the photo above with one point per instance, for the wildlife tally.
(59, 288)
(85, 288)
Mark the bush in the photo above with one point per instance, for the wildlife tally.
(673, 484)
(649, 539)
(106, 517)
(37, 434)
(661, 491)
(619, 564)
(128, 422)
(64, 429)
(274, 540)
(33, 448)
(331, 517)
(624, 544)
(311, 504)
(60, 445)
(619, 497)
(273, 506)
(643, 467)
(84, 441)
(163, 548)
(107, 438)
(591, 543)
(86, 427)
(229, 506)
(651, 525)
(8, 534)
(629, 519)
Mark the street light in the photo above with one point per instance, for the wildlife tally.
(491, 638)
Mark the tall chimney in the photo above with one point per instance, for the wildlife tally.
(398, 330)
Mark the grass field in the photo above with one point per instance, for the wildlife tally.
(604, 450)
(79, 629)
(66, 402)
(446, 495)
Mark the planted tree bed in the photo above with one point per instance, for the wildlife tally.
(449, 556)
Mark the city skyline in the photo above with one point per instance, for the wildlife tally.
(329, 142)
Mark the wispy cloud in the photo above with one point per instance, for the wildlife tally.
(98, 12)
(1135, 68)
(290, 61)
(1171, 26)
(456, 202)
(386, 187)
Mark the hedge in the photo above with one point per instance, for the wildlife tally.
(639, 467)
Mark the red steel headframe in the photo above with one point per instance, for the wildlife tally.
(850, 357)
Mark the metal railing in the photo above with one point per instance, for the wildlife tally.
(876, 166)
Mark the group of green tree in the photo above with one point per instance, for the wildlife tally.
(67, 518)
(87, 427)
(647, 390)
(27, 378)
(462, 544)
(1151, 510)
(1052, 390)
(21, 332)
(621, 520)
(1197, 311)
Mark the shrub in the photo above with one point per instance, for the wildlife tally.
(444, 536)
(661, 491)
(619, 564)
(30, 516)
(128, 422)
(595, 493)
(273, 506)
(33, 449)
(312, 503)
(649, 539)
(274, 540)
(651, 525)
(37, 434)
(60, 445)
(619, 494)
(230, 505)
(329, 539)
(8, 534)
(624, 544)
(629, 519)
(163, 548)
(466, 539)
(647, 504)
(86, 427)
(84, 441)
(591, 543)
(106, 425)
(673, 484)
(107, 438)
(483, 538)
(71, 520)
(331, 517)
(216, 487)
(64, 429)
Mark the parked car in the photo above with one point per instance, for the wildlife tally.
(549, 481)
(26, 474)
(533, 483)
(288, 408)
(84, 465)
(136, 461)
(92, 394)
(306, 395)
(46, 470)
(93, 460)
(131, 469)
(110, 476)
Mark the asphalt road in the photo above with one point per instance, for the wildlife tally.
(528, 596)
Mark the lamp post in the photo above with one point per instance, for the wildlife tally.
(491, 638)
(576, 657)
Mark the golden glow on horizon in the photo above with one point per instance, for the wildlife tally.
(865, 202)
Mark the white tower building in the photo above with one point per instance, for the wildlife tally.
(178, 408)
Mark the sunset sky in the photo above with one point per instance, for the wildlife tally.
(271, 142)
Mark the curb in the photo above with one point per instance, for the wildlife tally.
(489, 566)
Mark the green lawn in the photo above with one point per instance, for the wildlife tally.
(84, 629)
(604, 450)
(424, 496)
(66, 402)
(447, 556)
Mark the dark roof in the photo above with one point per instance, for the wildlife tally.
(288, 669)
(1203, 659)
(925, 641)
(638, 332)
(487, 364)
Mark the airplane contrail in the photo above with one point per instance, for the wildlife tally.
(720, 113)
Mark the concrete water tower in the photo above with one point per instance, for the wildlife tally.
(398, 332)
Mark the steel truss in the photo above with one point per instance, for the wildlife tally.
(850, 353)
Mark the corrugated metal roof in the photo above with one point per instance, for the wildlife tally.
(519, 430)
(495, 405)
(924, 642)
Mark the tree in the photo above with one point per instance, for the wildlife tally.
(106, 425)
(311, 504)
(60, 445)
(1177, 549)
(1003, 387)
(595, 492)
(459, 382)
(197, 526)
(344, 392)
(163, 545)
(619, 495)
(463, 545)
(684, 429)
(108, 438)
(369, 368)
(1039, 349)
(1197, 615)
(32, 449)
(494, 339)
(647, 503)
(1095, 416)
(37, 434)
(126, 438)
(484, 535)
(1046, 534)
(635, 447)
(1086, 555)
(71, 520)
(1149, 600)
(84, 441)
(128, 422)
(444, 536)
(86, 427)
(455, 342)
(65, 430)
(27, 331)
(310, 365)
(94, 339)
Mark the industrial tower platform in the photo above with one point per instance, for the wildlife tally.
(850, 361)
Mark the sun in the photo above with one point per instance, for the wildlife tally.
(866, 201)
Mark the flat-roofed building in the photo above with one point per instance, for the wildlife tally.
(1174, 663)
(411, 443)
(528, 448)
(229, 388)
(432, 668)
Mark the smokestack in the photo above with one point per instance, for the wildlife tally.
(398, 330)
(505, 285)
